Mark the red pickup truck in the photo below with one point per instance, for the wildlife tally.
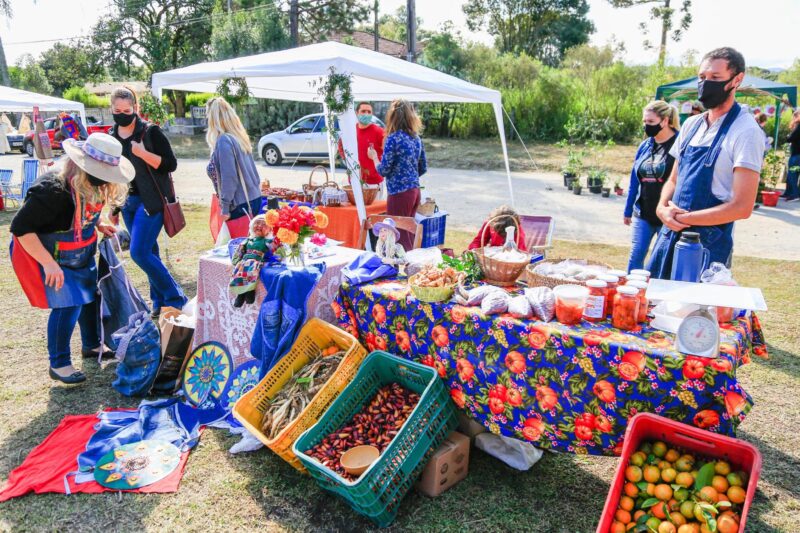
(49, 125)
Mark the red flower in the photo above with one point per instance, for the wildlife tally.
(458, 398)
(734, 403)
(537, 338)
(514, 397)
(546, 397)
(496, 405)
(515, 362)
(603, 424)
(499, 392)
(380, 342)
(379, 313)
(586, 419)
(465, 369)
(458, 314)
(706, 419)
(694, 368)
(427, 360)
(440, 336)
(403, 341)
(533, 429)
(583, 432)
(604, 391)
(370, 341)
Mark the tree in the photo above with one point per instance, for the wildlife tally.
(71, 65)
(394, 26)
(29, 76)
(314, 19)
(662, 10)
(161, 34)
(543, 29)
(6, 12)
(444, 51)
(243, 33)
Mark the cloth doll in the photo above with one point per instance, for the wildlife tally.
(388, 249)
(248, 259)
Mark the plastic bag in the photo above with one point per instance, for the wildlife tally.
(495, 303)
(421, 257)
(543, 302)
(718, 274)
(520, 307)
(513, 452)
(476, 296)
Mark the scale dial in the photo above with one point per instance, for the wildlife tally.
(698, 334)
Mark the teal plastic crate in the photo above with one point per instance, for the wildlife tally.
(377, 493)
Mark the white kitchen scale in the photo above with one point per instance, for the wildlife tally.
(698, 333)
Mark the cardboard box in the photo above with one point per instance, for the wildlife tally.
(448, 466)
(468, 426)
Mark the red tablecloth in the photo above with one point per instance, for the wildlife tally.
(344, 224)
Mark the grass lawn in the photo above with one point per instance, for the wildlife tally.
(258, 491)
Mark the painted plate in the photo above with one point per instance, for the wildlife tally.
(207, 373)
(136, 465)
(244, 379)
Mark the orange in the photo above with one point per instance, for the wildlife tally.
(685, 463)
(669, 475)
(637, 514)
(638, 459)
(672, 455)
(663, 465)
(689, 528)
(617, 527)
(698, 513)
(722, 498)
(659, 510)
(728, 522)
(737, 494)
(722, 468)
(744, 477)
(663, 492)
(651, 489)
(735, 480)
(631, 490)
(626, 502)
(709, 494)
(681, 494)
(633, 474)
(653, 523)
(622, 516)
(651, 474)
(684, 479)
(677, 518)
(687, 509)
(659, 449)
(646, 448)
(720, 484)
(673, 504)
(705, 529)
(666, 527)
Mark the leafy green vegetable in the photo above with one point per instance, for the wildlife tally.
(466, 264)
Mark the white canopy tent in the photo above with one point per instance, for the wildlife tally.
(289, 75)
(17, 100)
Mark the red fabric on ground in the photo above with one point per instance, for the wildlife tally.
(43, 470)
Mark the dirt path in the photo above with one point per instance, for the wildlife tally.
(468, 196)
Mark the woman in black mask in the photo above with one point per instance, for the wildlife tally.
(152, 157)
(651, 168)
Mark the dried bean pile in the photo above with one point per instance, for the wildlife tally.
(376, 424)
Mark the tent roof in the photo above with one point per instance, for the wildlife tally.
(18, 100)
(288, 74)
(751, 86)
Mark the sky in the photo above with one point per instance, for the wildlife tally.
(763, 31)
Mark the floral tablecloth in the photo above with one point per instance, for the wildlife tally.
(564, 388)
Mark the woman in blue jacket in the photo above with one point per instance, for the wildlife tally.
(651, 169)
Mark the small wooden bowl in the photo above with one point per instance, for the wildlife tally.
(356, 460)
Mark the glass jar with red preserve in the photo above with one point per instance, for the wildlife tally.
(621, 274)
(570, 301)
(644, 303)
(595, 308)
(641, 272)
(612, 282)
(626, 308)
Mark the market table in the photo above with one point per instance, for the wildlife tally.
(344, 224)
(567, 388)
(218, 320)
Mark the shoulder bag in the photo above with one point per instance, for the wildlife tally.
(174, 221)
(240, 227)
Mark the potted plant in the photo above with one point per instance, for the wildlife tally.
(771, 173)
(596, 180)
(574, 165)
(618, 186)
(576, 186)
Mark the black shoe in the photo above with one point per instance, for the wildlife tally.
(756, 206)
(72, 379)
(92, 354)
(156, 313)
(239, 300)
(250, 297)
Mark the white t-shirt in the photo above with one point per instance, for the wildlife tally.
(743, 147)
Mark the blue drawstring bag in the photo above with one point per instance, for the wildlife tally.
(139, 354)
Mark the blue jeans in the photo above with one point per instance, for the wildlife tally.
(643, 233)
(60, 326)
(144, 230)
(792, 187)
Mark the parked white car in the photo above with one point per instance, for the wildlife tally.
(304, 140)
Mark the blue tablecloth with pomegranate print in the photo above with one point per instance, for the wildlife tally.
(566, 388)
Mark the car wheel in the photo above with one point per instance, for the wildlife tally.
(28, 148)
(272, 156)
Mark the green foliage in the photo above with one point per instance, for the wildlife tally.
(198, 99)
(80, 94)
(575, 157)
(151, 109)
(29, 76)
(71, 65)
(772, 169)
(444, 52)
(261, 29)
(234, 90)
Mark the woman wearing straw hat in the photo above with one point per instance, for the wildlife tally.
(55, 239)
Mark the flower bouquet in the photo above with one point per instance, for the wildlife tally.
(292, 225)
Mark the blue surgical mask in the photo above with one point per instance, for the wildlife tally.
(365, 120)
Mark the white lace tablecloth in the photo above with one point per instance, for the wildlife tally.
(218, 320)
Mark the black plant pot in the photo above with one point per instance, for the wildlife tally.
(595, 189)
(570, 182)
(576, 189)
(606, 192)
(568, 176)
(595, 185)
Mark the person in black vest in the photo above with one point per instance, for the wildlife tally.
(152, 157)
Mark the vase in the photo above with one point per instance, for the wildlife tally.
(293, 255)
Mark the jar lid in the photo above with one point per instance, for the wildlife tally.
(636, 277)
(640, 272)
(608, 278)
(639, 284)
(596, 284)
(628, 290)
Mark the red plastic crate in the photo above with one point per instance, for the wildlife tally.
(646, 426)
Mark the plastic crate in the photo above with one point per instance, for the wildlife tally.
(315, 335)
(433, 229)
(377, 493)
(646, 426)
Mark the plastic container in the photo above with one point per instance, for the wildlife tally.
(612, 283)
(646, 426)
(626, 308)
(594, 311)
(380, 489)
(313, 338)
(570, 302)
(644, 303)
(641, 272)
(433, 229)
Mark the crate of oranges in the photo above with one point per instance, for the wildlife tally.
(674, 478)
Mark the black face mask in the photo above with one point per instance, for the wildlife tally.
(123, 119)
(712, 93)
(651, 130)
(95, 182)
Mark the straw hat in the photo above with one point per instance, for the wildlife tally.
(100, 156)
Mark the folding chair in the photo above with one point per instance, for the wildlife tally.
(403, 224)
(30, 173)
(9, 196)
(538, 231)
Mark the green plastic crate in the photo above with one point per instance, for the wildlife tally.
(377, 493)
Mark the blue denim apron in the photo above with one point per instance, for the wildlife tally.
(693, 193)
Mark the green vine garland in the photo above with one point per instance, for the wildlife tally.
(237, 97)
(336, 92)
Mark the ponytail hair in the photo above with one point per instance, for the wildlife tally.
(664, 110)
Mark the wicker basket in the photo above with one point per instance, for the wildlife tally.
(537, 280)
(315, 336)
(500, 273)
(431, 294)
(428, 208)
(328, 194)
(310, 187)
(370, 195)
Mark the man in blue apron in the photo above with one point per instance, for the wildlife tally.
(719, 155)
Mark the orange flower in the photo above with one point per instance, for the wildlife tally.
(287, 236)
(272, 217)
(322, 219)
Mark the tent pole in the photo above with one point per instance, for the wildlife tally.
(347, 133)
(778, 111)
(331, 136)
(498, 115)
